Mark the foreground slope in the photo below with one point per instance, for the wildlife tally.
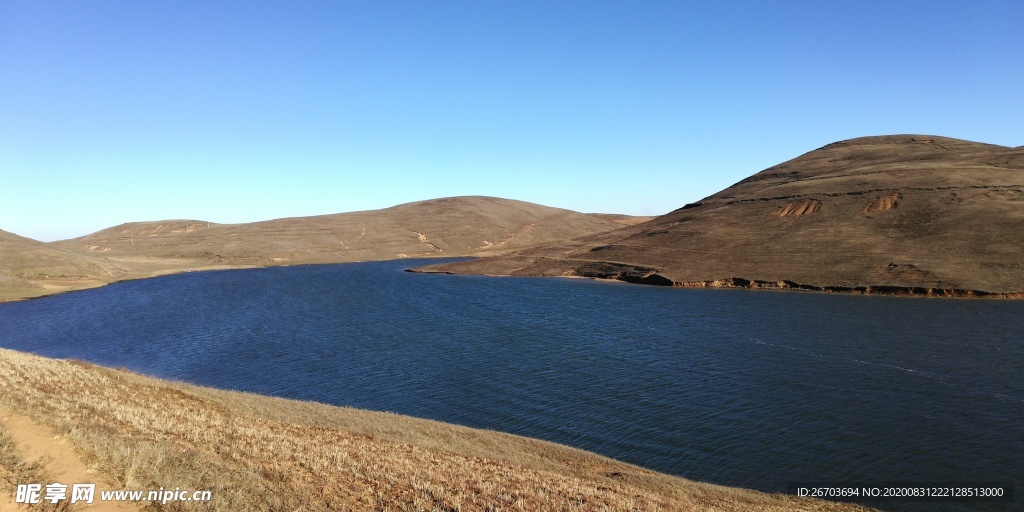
(890, 214)
(261, 453)
(456, 226)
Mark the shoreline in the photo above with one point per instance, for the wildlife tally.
(254, 451)
(171, 270)
(740, 283)
(737, 283)
(883, 290)
(92, 285)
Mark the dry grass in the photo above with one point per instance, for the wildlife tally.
(455, 226)
(261, 453)
(850, 216)
(15, 469)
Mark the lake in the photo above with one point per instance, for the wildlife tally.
(748, 388)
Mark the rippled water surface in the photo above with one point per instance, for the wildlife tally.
(756, 389)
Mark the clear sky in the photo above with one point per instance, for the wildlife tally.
(239, 111)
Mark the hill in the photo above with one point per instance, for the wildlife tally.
(891, 214)
(30, 268)
(456, 226)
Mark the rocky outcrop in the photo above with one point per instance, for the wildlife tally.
(620, 272)
(739, 282)
(884, 203)
(802, 208)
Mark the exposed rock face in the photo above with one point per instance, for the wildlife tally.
(620, 272)
(893, 214)
(884, 203)
(802, 208)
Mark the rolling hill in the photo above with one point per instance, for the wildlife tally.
(456, 226)
(905, 214)
(31, 268)
(453, 226)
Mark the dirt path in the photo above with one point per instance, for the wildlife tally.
(38, 442)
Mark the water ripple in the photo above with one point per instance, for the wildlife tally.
(754, 389)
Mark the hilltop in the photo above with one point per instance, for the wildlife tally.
(455, 226)
(889, 214)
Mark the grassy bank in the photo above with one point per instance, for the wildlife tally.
(262, 453)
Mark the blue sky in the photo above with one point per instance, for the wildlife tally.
(239, 111)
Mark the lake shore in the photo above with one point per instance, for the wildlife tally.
(46, 287)
(256, 452)
(509, 267)
(495, 267)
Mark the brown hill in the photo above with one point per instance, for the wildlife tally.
(890, 214)
(453, 226)
(31, 268)
(622, 220)
(456, 226)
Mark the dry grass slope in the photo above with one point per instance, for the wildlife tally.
(440, 227)
(29, 268)
(261, 453)
(455, 226)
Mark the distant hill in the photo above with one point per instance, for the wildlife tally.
(453, 226)
(456, 226)
(622, 220)
(31, 268)
(889, 214)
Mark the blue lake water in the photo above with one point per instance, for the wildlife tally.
(755, 389)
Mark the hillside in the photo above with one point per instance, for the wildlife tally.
(262, 453)
(456, 226)
(30, 268)
(889, 214)
(453, 226)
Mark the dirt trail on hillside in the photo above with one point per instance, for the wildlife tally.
(39, 443)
